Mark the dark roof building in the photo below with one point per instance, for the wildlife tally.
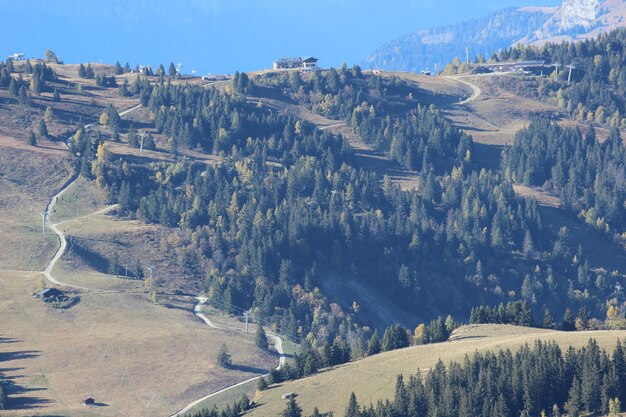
(51, 294)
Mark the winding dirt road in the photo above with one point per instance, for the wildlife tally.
(278, 345)
(476, 91)
(63, 242)
(47, 272)
(53, 226)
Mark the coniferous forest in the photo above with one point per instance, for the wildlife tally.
(538, 380)
(287, 208)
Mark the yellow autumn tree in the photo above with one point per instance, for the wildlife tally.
(420, 334)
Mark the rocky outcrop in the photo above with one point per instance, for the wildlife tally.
(577, 13)
(572, 17)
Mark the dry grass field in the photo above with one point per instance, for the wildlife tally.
(29, 176)
(133, 357)
(374, 378)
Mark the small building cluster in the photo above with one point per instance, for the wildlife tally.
(519, 66)
(307, 64)
(18, 56)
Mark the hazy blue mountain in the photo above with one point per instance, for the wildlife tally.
(432, 49)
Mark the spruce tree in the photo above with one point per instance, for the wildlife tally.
(23, 97)
(223, 357)
(261, 384)
(32, 139)
(56, 96)
(373, 346)
(548, 321)
(13, 89)
(42, 129)
(568, 323)
(352, 410)
(574, 402)
(260, 338)
(292, 409)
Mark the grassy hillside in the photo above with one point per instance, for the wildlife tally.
(373, 378)
(116, 348)
(174, 342)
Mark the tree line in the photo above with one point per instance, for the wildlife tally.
(539, 379)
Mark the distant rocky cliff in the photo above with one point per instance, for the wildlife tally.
(573, 15)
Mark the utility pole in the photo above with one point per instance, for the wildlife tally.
(141, 144)
(569, 77)
(44, 220)
(557, 71)
(246, 314)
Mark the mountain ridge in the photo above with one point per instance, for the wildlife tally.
(433, 48)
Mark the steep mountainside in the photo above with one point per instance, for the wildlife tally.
(431, 49)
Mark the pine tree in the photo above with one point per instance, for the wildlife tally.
(568, 323)
(132, 137)
(574, 402)
(35, 86)
(13, 89)
(353, 407)
(261, 338)
(32, 139)
(82, 72)
(292, 409)
(261, 384)
(114, 264)
(548, 321)
(223, 357)
(172, 70)
(42, 129)
(373, 346)
(56, 96)
(583, 319)
(23, 97)
(48, 115)
(51, 56)
(118, 68)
